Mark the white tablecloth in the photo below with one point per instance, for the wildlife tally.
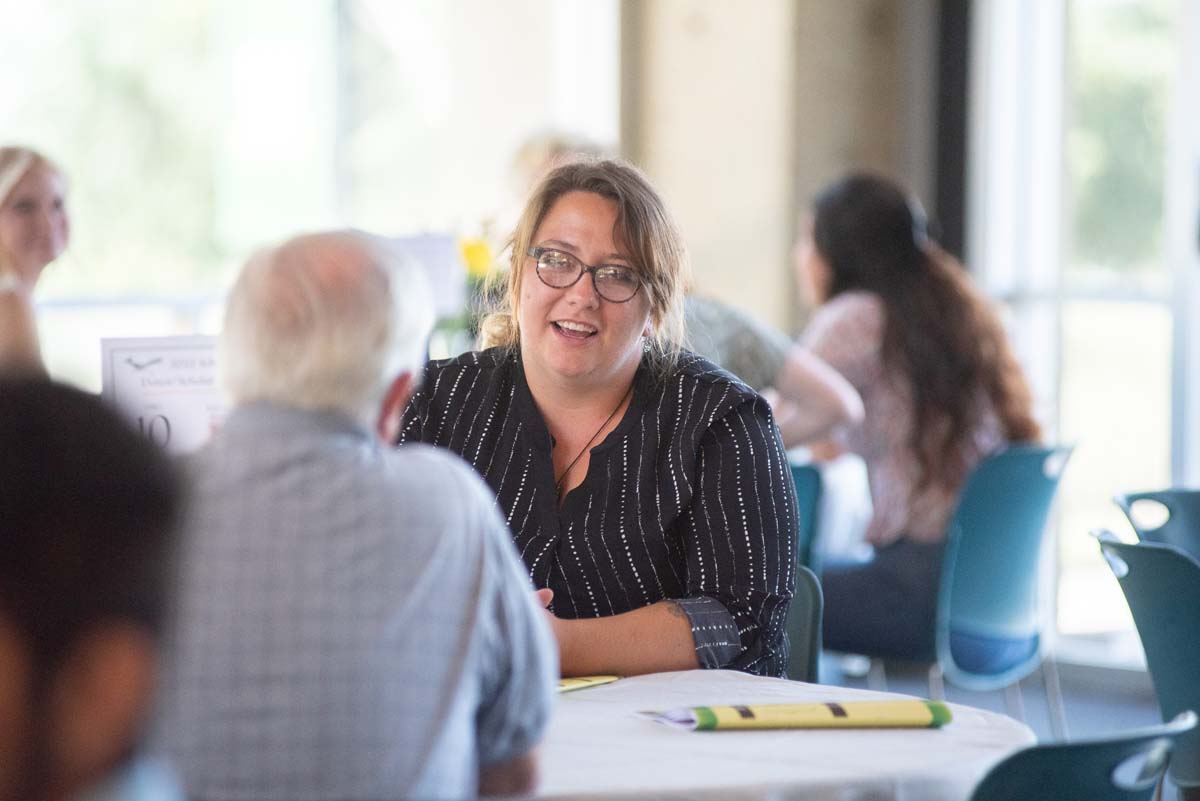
(596, 747)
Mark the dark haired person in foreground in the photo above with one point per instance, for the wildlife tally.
(87, 514)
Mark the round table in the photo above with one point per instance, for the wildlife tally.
(597, 747)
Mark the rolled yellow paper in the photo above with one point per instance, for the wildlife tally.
(583, 682)
(832, 715)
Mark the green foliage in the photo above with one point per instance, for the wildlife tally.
(1120, 63)
(131, 118)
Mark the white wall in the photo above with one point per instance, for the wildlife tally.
(715, 106)
(739, 117)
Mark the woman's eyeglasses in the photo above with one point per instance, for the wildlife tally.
(558, 269)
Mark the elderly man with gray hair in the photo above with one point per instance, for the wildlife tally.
(353, 620)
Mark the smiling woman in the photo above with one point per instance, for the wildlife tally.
(34, 229)
(669, 544)
(34, 226)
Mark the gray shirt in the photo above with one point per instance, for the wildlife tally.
(353, 620)
(732, 339)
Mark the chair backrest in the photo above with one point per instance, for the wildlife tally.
(1182, 526)
(804, 626)
(1162, 586)
(1121, 768)
(990, 569)
(807, 479)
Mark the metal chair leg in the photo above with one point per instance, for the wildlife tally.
(877, 676)
(1014, 702)
(937, 686)
(1054, 700)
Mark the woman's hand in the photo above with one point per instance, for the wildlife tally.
(544, 597)
(558, 627)
(652, 639)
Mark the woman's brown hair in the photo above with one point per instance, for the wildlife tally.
(940, 332)
(645, 231)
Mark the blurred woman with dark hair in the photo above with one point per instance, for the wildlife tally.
(900, 319)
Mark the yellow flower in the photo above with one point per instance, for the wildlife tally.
(476, 255)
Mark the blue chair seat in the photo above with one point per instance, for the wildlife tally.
(988, 593)
(988, 622)
(983, 653)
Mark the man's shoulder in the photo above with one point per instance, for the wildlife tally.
(427, 464)
(441, 506)
(433, 481)
(412, 482)
(431, 488)
(720, 320)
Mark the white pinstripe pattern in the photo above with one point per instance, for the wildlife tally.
(687, 499)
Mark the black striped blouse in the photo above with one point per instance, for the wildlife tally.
(690, 499)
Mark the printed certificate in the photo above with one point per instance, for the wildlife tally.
(166, 386)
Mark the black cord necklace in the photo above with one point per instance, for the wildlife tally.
(558, 484)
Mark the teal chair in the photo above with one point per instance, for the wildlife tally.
(1124, 767)
(1162, 586)
(1182, 525)
(988, 632)
(988, 629)
(807, 479)
(804, 626)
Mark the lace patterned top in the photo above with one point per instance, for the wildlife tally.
(847, 332)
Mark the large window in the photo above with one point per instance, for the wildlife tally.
(1115, 391)
(193, 132)
(1079, 227)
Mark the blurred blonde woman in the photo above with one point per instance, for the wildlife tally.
(34, 231)
(34, 226)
